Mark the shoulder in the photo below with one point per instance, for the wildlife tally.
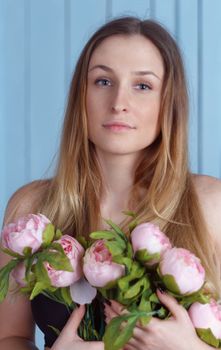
(25, 200)
(208, 190)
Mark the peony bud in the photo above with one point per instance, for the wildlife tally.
(181, 271)
(98, 267)
(74, 251)
(25, 232)
(206, 316)
(148, 237)
(18, 273)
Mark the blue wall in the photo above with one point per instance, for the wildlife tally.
(40, 41)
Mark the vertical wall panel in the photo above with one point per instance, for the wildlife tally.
(47, 81)
(84, 23)
(187, 36)
(12, 86)
(165, 13)
(139, 8)
(2, 110)
(211, 83)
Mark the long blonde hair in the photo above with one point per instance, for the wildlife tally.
(168, 198)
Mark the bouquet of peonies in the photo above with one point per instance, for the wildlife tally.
(128, 269)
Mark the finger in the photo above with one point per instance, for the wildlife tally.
(139, 333)
(118, 308)
(129, 347)
(110, 312)
(70, 329)
(134, 343)
(171, 304)
(98, 345)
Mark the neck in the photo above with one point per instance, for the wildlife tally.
(118, 176)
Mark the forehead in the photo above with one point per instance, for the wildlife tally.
(128, 52)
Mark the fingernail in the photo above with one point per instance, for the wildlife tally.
(161, 290)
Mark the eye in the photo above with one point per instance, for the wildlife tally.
(103, 82)
(143, 86)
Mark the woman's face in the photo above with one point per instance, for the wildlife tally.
(125, 78)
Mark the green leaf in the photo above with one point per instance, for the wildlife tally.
(4, 278)
(162, 312)
(11, 253)
(28, 264)
(171, 284)
(110, 285)
(114, 248)
(58, 234)
(186, 301)
(82, 240)
(115, 337)
(48, 235)
(136, 272)
(58, 261)
(27, 251)
(38, 288)
(132, 225)
(130, 252)
(56, 246)
(56, 330)
(41, 273)
(207, 336)
(65, 293)
(28, 289)
(137, 288)
(108, 235)
(129, 213)
(117, 229)
(145, 305)
(127, 262)
(154, 298)
(143, 256)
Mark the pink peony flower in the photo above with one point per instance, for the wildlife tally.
(207, 316)
(82, 292)
(184, 268)
(74, 251)
(149, 237)
(25, 232)
(98, 267)
(18, 273)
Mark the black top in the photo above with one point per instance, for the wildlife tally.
(47, 312)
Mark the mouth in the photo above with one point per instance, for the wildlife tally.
(118, 126)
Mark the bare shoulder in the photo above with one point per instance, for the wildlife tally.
(25, 200)
(208, 189)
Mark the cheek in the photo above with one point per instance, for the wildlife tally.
(96, 106)
(150, 113)
(149, 122)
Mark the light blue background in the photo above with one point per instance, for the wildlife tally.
(40, 41)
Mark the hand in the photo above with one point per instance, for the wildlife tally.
(69, 339)
(177, 332)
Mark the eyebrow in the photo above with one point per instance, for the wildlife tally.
(108, 69)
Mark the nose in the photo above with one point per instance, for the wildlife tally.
(120, 101)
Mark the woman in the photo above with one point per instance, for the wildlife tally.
(124, 146)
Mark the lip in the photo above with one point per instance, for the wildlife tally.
(119, 124)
